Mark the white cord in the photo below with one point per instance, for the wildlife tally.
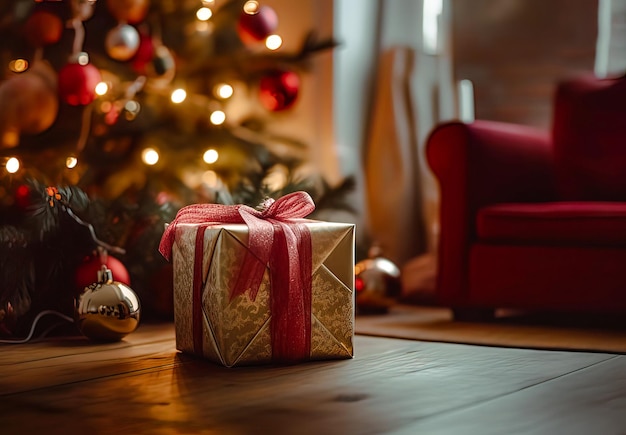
(32, 328)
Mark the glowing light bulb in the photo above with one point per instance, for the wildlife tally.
(208, 2)
(150, 156)
(71, 162)
(178, 96)
(18, 65)
(273, 42)
(217, 118)
(204, 14)
(224, 90)
(210, 156)
(102, 88)
(251, 7)
(13, 165)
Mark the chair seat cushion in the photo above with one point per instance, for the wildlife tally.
(556, 223)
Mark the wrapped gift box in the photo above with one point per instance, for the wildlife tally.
(236, 330)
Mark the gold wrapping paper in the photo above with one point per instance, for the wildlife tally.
(237, 332)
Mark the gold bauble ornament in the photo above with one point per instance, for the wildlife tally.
(107, 310)
(28, 103)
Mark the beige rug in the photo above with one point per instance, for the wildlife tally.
(537, 331)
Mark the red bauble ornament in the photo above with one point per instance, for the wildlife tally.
(278, 90)
(128, 11)
(23, 197)
(77, 83)
(87, 273)
(254, 27)
(43, 28)
(144, 54)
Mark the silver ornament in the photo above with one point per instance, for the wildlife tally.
(377, 284)
(107, 310)
(122, 42)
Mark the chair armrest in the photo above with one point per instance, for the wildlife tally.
(477, 164)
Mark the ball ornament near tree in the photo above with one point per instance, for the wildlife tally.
(28, 103)
(144, 54)
(278, 89)
(88, 270)
(256, 23)
(377, 283)
(163, 65)
(43, 28)
(122, 42)
(77, 83)
(128, 11)
(107, 310)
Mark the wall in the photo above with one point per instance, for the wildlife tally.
(515, 50)
(311, 119)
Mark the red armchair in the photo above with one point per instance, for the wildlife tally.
(532, 219)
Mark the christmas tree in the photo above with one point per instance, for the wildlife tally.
(116, 113)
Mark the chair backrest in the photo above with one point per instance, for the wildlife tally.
(589, 136)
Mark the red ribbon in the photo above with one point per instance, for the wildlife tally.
(276, 237)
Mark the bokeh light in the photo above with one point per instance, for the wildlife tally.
(224, 90)
(204, 14)
(18, 65)
(150, 156)
(217, 118)
(178, 96)
(273, 42)
(102, 88)
(210, 156)
(251, 7)
(13, 165)
(71, 162)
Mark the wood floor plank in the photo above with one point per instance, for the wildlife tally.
(54, 347)
(390, 385)
(588, 401)
(75, 359)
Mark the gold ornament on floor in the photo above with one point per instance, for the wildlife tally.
(377, 283)
(107, 310)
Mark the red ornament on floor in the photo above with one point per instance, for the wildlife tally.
(85, 273)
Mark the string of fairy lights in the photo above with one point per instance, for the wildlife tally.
(128, 105)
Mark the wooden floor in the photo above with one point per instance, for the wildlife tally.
(142, 385)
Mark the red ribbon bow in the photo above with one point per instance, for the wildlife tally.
(277, 237)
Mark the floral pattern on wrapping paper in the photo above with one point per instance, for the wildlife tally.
(238, 330)
(332, 312)
(235, 323)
